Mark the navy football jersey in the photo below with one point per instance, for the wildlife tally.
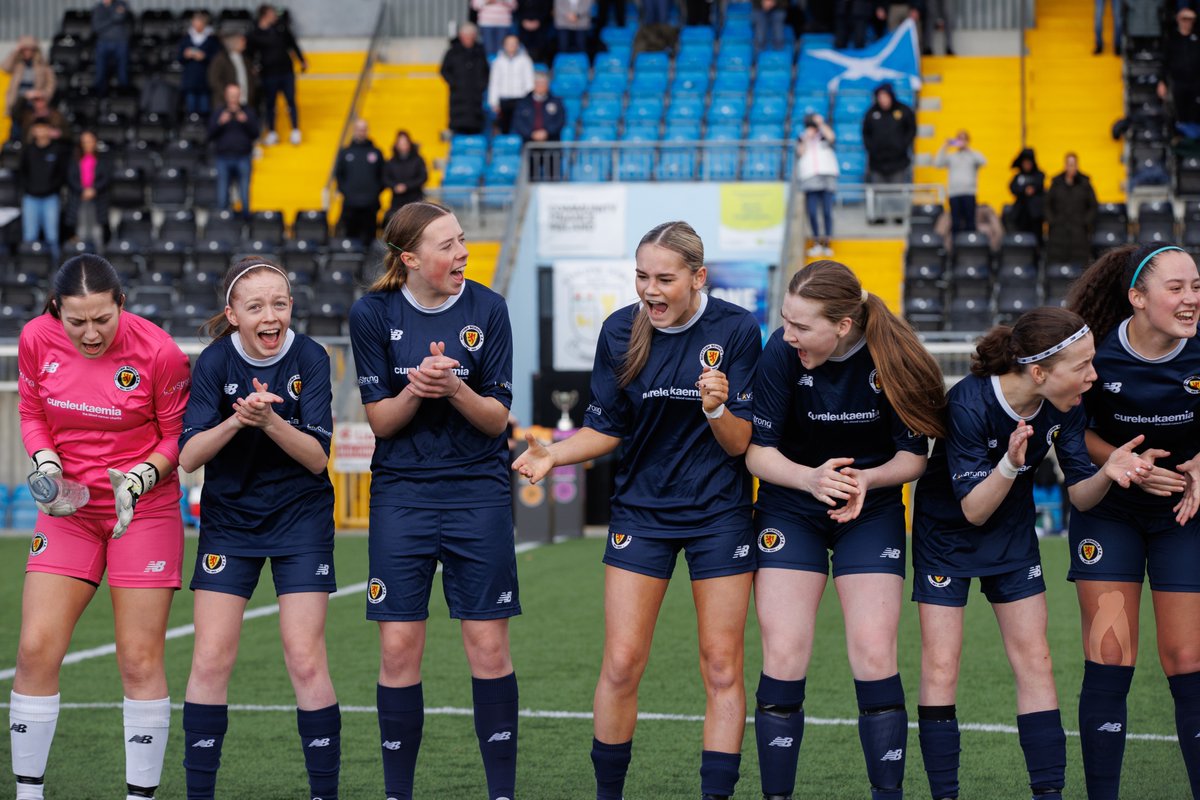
(257, 500)
(674, 479)
(1157, 398)
(439, 459)
(837, 410)
(980, 421)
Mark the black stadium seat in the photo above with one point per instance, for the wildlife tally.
(311, 226)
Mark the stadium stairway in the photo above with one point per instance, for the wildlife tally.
(879, 264)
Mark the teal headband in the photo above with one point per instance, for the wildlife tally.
(1146, 261)
(397, 249)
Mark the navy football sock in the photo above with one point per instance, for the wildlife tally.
(938, 732)
(1186, 691)
(883, 731)
(496, 726)
(1102, 721)
(1045, 746)
(204, 728)
(778, 729)
(719, 772)
(611, 762)
(321, 738)
(401, 720)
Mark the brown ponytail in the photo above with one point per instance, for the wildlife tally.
(1101, 295)
(217, 326)
(403, 235)
(909, 376)
(1035, 331)
(681, 239)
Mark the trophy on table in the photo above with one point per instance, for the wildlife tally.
(564, 402)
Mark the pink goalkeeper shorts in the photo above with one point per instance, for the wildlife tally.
(148, 556)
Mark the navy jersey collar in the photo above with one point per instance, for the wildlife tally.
(846, 356)
(288, 338)
(1123, 336)
(445, 306)
(695, 317)
(1009, 409)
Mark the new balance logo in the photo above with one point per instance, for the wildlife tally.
(19, 727)
(396, 334)
(893, 755)
(505, 597)
(155, 566)
(50, 366)
(231, 389)
(391, 745)
(501, 736)
(319, 743)
(805, 380)
(1035, 572)
(1114, 387)
(322, 569)
(890, 552)
(781, 741)
(1110, 727)
(141, 739)
(205, 743)
(741, 551)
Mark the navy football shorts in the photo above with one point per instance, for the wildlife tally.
(302, 572)
(710, 555)
(875, 542)
(1007, 587)
(1117, 545)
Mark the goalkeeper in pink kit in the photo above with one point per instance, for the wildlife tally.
(102, 396)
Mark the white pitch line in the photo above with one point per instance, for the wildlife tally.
(645, 716)
(189, 629)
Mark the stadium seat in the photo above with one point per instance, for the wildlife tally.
(923, 217)
(731, 84)
(923, 305)
(774, 82)
(506, 145)
(326, 320)
(1187, 176)
(127, 189)
(614, 36)
(635, 164)
(468, 145)
(257, 249)
(193, 130)
(601, 110)
(202, 287)
(1013, 301)
(1114, 218)
(126, 258)
(768, 108)
(610, 63)
(697, 34)
(971, 258)
(212, 256)
(736, 58)
(648, 109)
(761, 164)
(1018, 249)
(570, 84)
(926, 256)
(502, 171)
(648, 84)
(167, 258)
(651, 63)
(720, 163)
(152, 302)
(137, 226)
(570, 62)
(266, 226)
(204, 187)
(677, 156)
(169, 189)
(727, 111)
(336, 286)
(301, 257)
(224, 226)
(10, 190)
(608, 84)
(1016, 273)
(809, 103)
(969, 314)
(311, 226)
(775, 61)
(694, 59)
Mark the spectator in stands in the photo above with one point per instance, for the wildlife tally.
(230, 66)
(112, 25)
(272, 47)
(540, 117)
(359, 174)
(817, 165)
(511, 79)
(1098, 18)
(607, 8)
(41, 175)
(573, 19)
(534, 20)
(28, 73)
(1070, 215)
(39, 109)
(196, 52)
(889, 129)
(851, 20)
(495, 22)
(1028, 187)
(709, 12)
(232, 131)
(88, 177)
(768, 17)
(962, 165)
(656, 12)
(465, 70)
(1181, 67)
(405, 174)
(938, 13)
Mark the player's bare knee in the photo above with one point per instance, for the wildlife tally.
(622, 669)
(1179, 658)
(722, 673)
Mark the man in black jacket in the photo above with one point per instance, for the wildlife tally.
(465, 69)
(42, 174)
(232, 131)
(112, 25)
(889, 129)
(359, 174)
(534, 20)
(272, 46)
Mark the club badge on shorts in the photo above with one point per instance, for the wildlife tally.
(38, 544)
(213, 563)
(376, 591)
(1090, 551)
(771, 540)
(621, 540)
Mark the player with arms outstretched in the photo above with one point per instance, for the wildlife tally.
(102, 396)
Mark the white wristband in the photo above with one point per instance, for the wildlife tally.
(715, 413)
(1007, 468)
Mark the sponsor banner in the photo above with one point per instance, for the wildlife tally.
(585, 294)
(743, 283)
(752, 218)
(575, 223)
(353, 446)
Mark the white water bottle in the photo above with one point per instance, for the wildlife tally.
(53, 489)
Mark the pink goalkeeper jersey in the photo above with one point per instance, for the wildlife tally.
(111, 411)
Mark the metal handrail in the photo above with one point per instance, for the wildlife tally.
(360, 92)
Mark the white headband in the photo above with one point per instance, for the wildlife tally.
(1063, 345)
(232, 283)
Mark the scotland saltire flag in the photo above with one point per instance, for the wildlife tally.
(893, 59)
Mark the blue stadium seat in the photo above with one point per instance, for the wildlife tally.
(681, 129)
(636, 164)
(645, 109)
(737, 35)
(651, 62)
(691, 83)
(611, 63)
(732, 83)
(676, 158)
(765, 131)
(21, 508)
(622, 51)
(726, 110)
(568, 133)
(772, 81)
(614, 36)
(848, 133)
(598, 132)
(761, 164)
(508, 144)
(697, 34)
(735, 57)
(694, 58)
(572, 109)
(608, 83)
(852, 163)
(775, 61)
(463, 174)
(769, 108)
(851, 105)
(502, 171)
(685, 108)
(816, 41)
(569, 84)
(808, 82)
(720, 163)
(468, 145)
(808, 103)
(571, 62)
(648, 84)
(600, 109)
(589, 164)
(641, 131)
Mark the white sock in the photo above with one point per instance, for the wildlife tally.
(31, 728)
(147, 723)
